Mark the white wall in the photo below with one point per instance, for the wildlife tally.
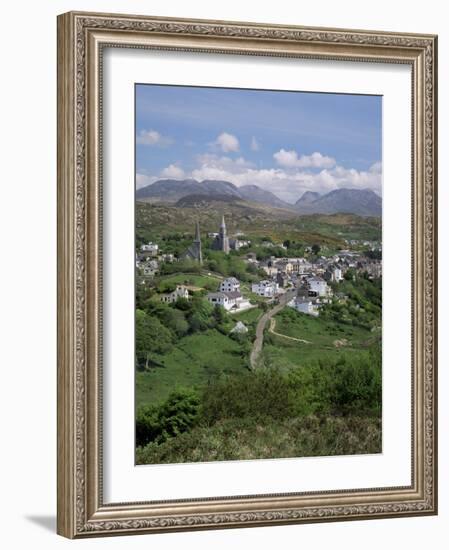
(28, 277)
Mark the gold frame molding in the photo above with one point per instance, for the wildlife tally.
(81, 38)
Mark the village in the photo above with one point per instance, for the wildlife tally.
(302, 283)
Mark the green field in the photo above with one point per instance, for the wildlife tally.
(196, 360)
(250, 316)
(328, 339)
(322, 333)
(189, 279)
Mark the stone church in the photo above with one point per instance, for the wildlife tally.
(221, 242)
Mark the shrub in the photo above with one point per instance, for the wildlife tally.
(259, 394)
(176, 415)
(246, 438)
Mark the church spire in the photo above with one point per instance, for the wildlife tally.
(224, 239)
(197, 232)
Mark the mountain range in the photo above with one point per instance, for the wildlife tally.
(363, 202)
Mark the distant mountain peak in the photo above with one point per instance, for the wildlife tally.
(363, 202)
(172, 191)
(308, 197)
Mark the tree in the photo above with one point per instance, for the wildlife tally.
(174, 416)
(175, 320)
(219, 314)
(316, 249)
(183, 304)
(151, 338)
(349, 274)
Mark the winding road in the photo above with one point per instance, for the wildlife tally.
(258, 342)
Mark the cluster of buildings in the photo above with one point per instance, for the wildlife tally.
(228, 296)
(310, 279)
(149, 258)
(287, 271)
(311, 295)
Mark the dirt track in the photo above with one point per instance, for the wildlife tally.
(258, 342)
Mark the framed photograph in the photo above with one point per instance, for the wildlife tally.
(246, 274)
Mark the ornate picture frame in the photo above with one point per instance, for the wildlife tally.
(82, 38)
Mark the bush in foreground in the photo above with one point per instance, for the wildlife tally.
(245, 439)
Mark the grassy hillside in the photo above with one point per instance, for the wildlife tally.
(196, 360)
(347, 226)
(326, 407)
(324, 339)
(243, 439)
(156, 221)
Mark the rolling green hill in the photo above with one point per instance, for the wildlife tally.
(156, 221)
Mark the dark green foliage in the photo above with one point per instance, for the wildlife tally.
(227, 264)
(256, 395)
(175, 320)
(200, 315)
(266, 252)
(373, 254)
(350, 384)
(176, 415)
(183, 304)
(350, 274)
(267, 402)
(184, 266)
(152, 337)
(244, 439)
(363, 306)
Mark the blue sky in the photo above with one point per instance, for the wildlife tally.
(285, 142)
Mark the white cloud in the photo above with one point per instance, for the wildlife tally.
(289, 184)
(227, 143)
(290, 159)
(173, 171)
(225, 163)
(153, 138)
(254, 144)
(376, 168)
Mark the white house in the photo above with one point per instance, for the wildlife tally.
(169, 258)
(150, 268)
(270, 270)
(170, 297)
(220, 299)
(237, 244)
(265, 288)
(304, 305)
(319, 286)
(338, 275)
(231, 301)
(151, 249)
(231, 284)
(240, 328)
